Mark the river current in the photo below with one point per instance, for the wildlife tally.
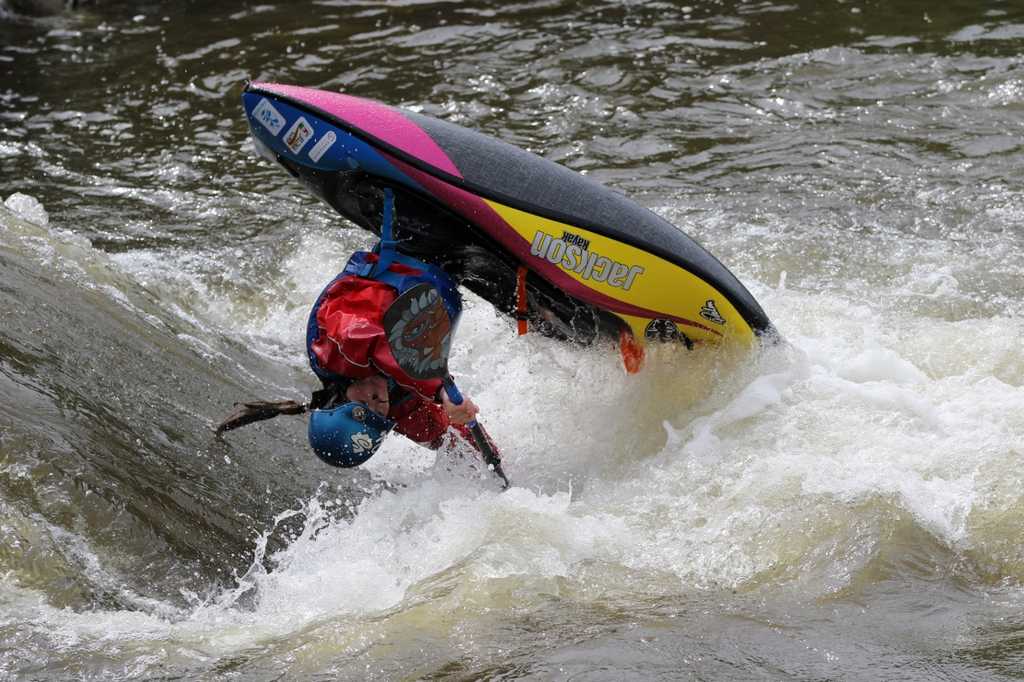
(845, 505)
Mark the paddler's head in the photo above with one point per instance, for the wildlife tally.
(349, 434)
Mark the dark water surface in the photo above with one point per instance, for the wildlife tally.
(849, 507)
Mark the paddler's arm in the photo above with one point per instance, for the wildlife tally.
(428, 423)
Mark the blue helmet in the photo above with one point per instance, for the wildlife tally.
(347, 435)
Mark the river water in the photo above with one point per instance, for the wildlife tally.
(847, 505)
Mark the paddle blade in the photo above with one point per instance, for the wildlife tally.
(419, 332)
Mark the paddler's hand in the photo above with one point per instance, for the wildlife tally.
(460, 414)
(373, 391)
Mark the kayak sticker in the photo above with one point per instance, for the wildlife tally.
(298, 135)
(665, 331)
(317, 151)
(269, 116)
(710, 313)
(571, 238)
(572, 253)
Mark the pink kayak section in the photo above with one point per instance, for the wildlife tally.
(379, 120)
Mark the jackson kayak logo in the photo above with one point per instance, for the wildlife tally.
(572, 252)
(710, 313)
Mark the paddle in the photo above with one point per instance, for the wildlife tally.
(419, 332)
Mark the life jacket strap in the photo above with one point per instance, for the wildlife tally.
(387, 249)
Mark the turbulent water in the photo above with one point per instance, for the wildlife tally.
(846, 505)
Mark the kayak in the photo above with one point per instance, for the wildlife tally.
(556, 251)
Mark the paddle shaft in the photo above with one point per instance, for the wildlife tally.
(490, 457)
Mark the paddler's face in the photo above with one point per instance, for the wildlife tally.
(373, 391)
